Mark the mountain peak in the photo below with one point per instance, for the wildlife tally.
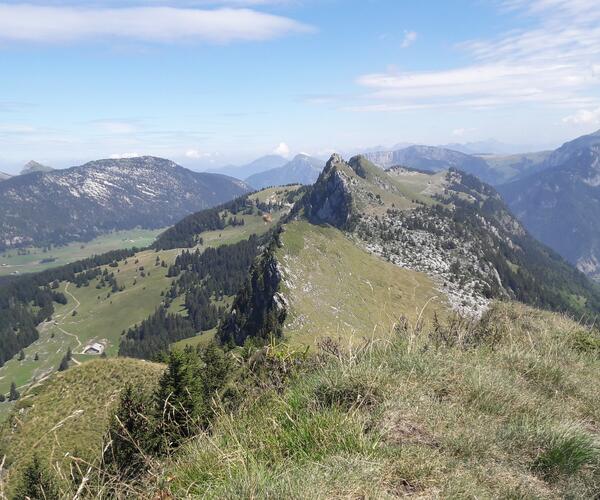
(334, 160)
(34, 166)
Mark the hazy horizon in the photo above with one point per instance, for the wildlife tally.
(209, 83)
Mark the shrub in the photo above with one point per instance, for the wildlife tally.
(565, 453)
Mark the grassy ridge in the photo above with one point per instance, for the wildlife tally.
(68, 414)
(336, 289)
(510, 410)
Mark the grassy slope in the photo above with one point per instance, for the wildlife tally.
(10, 261)
(69, 412)
(98, 319)
(336, 289)
(514, 417)
(102, 318)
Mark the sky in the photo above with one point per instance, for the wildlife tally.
(214, 82)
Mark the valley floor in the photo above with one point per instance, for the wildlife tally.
(33, 259)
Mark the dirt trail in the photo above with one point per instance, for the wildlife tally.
(77, 304)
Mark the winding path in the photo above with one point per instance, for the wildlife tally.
(79, 344)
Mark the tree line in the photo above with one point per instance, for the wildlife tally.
(28, 300)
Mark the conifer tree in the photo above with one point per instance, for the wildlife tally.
(37, 483)
(130, 434)
(179, 399)
(64, 364)
(13, 395)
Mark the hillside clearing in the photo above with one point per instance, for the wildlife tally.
(33, 259)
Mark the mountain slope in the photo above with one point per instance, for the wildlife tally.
(302, 169)
(4, 176)
(512, 167)
(434, 159)
(565, 153)
(453, 236)
(561, 205)
(79, 203)
(504, 408)
(34, 166)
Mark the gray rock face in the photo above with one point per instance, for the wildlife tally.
(331, 200)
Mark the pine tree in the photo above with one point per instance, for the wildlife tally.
(36, 357)
(13, 395)
(21, 355)
(217, 370)
(179, 400)
(2, 398)
(37, 483)
(130, 434)
(64, 364)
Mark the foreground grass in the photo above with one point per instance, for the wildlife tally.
(67, 415)
(509, 410)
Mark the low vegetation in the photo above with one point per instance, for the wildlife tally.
(63, 419)
(505, 407)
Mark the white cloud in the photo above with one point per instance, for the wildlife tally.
(556, 62)
(16, 129)
(116, 127)
(120, 156)
(37, 23)
(282, 150)
(195, 154)
(584, 117)
(410, 37)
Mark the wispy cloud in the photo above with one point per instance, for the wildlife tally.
(16, 129)
(48, 24)
(116, 127)
(410, 37)
(555, 62)
(584, 117)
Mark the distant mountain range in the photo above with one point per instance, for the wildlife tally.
(303, 169)
(434, 159)
(560, 204)
(489, 147)
(79, 203)
(259, 165)
(29, 168)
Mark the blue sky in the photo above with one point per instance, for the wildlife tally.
(208, 83)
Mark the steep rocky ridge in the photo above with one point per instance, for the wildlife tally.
(451, 226)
